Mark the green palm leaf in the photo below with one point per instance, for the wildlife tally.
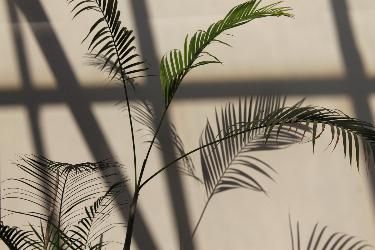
(321, 239)
(177, 63)
(110, 39)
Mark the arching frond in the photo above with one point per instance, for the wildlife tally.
(227, 165)
(110, 39)
(106, 66)
(321, 239)
(177, 63)
(350, 131)
(94, 224)
(16, 239)
(54, 192)
(52, 238)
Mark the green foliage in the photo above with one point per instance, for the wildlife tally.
(62, 190)
(177, 63)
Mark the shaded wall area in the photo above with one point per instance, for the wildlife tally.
(333, 54)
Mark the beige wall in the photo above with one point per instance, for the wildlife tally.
(52, 102)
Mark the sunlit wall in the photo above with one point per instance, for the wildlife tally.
(54, 104)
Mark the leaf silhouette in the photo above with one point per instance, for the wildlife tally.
(59, 190)
(226, 165)
(321, 239)
(94, 224)
(144, 115)
(177, 63)
(15, 238)
(110, 39)
(225, 160)
(350, 131)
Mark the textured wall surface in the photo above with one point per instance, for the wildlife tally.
(53, 103)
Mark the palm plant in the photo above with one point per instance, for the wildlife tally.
(55, 194)
(262, 123)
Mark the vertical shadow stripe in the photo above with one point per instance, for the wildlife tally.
(176, 191)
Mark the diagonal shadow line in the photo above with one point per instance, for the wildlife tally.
(32, 108)
(353, 66)
(296, 87)
(69, 88)
(168, 150)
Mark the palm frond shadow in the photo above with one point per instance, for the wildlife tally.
(321, 239)
(145, 116)
(226, 164)
(15, 238)
(103, 64)
(109, 39)
(58, 195)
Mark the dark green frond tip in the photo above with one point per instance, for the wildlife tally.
(177, 63)
(110, 39)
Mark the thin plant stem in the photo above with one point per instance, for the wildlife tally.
(133, 205)
(201, 215)
(132, 213)
(123, 78)
(193, 151)
(132, 134)
(151, 144)
(208, 200)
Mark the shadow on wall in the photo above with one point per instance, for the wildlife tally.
(78, 99)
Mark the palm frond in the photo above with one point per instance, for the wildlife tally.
(110, 39)
(177, 63)
(15, 238)
(321, 239)
(227, 165)
(93, 225)
(57, 189)
(350, 131)
(106, 66)
(52, 238)
(145, 116)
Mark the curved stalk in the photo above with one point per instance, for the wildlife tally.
(151, 145)
(201, 215)
(132, 213)
(133, 205)
(127, 101)
(193, 151)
